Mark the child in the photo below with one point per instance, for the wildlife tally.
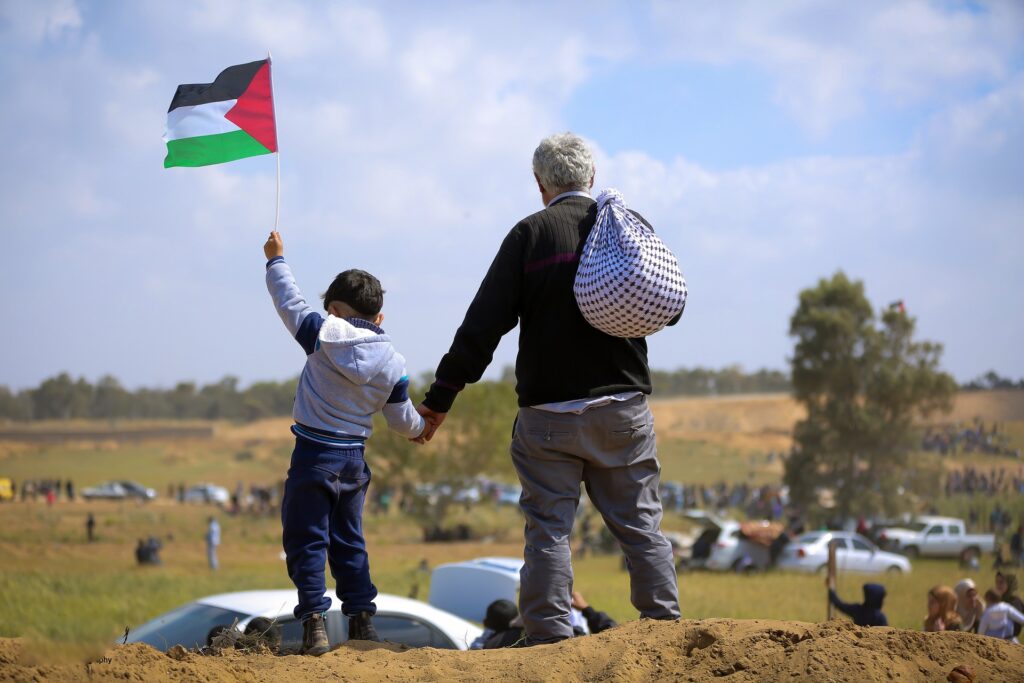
(942, 614)
(867, 614)
(997, 621)
(351, 372)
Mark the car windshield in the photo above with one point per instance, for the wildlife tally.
(811, 538)
(187, 626)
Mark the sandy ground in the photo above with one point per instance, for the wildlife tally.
(757, 650)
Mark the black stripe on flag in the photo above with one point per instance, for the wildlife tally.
(229, 85)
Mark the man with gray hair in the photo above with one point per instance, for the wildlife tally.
(583, 414)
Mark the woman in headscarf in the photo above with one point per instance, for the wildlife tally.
(968, 605)
(942, 614)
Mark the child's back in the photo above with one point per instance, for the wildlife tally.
(351, 372)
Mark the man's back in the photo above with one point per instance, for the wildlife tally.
(561, 357)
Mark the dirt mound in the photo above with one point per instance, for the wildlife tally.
(638, 651)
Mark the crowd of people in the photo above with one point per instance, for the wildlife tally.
(758, 502)
(50, 490)
(997, 614)
(977, 481)
(954, 439)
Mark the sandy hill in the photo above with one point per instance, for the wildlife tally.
(766, 420)
(636, 651)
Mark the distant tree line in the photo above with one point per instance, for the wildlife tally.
(992, 380)
(63, 397)
(728, 380)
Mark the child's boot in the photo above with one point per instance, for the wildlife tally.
(360, 627)
(314, 635)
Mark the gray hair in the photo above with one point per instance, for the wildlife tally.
(563, 162)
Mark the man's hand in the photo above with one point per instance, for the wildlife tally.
(578, 601)
(433, 420)
(273, 246)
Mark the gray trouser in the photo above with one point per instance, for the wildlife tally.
(610, 449)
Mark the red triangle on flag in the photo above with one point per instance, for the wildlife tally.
(254, 111)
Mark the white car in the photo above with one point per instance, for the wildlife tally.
(937, 537)
(854, 553)
(207, 493)
(721, 545)
(119, 490)
(398, 620)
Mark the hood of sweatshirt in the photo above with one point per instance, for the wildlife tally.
(874, 595)
(358, 349)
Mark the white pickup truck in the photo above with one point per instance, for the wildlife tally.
(937, 537)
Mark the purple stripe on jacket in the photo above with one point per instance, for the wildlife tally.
(564, 257)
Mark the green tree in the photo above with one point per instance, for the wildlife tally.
(61, 398)
(110, 400)
(863, 381)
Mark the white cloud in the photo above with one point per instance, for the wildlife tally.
(36, 21)
(829, 59)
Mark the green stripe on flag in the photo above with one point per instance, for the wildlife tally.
(204, 150)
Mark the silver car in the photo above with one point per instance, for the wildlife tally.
(398, 620)
(854, 553)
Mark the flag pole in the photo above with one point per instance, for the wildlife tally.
(277, 153)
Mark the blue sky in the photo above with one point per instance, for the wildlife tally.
(769, 143)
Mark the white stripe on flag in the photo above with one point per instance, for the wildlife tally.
(201, 119)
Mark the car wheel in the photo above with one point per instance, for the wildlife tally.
(823, 569)
(972, 553)
(912, 552)
(894, 570)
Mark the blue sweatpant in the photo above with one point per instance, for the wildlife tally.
(322, 516)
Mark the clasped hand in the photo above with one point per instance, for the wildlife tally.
(433, 420)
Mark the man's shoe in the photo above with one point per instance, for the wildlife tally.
(533, 642)
(360, 627)
(314, 635)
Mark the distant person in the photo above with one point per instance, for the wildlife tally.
(90, 528)
(212, 542)
(1017, 546)
(497, 620)
(69, 489)
(968, 605)
(1006, 588)
(352, 371)
(868, 613)
(1001, 619)
(942, 614)
(508, 627)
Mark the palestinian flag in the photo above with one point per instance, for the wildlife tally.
(231, 118)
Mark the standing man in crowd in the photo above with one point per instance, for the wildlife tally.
(212, 541)
(583, 413)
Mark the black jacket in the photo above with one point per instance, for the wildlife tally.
(530, 282)
(867, 614)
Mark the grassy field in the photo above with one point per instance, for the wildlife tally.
(58, 588)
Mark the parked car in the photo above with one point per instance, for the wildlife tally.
(937, 537)
(207, 493)
(728, 545)
(854, 553)
(119, 490)
(398, 620)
